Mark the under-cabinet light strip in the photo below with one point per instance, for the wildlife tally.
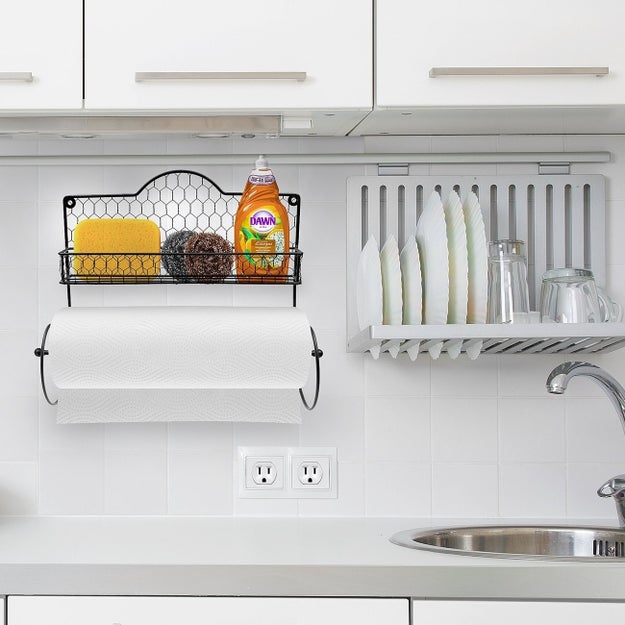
(451, 158)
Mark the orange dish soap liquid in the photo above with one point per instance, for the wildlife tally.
(261, 226)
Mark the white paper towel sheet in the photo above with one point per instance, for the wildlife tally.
(179, 363)
(134, 405)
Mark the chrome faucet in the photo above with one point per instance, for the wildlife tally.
(557, 383)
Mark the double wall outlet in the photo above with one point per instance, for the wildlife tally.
(287, 472)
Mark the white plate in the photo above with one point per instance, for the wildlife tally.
(458, 267)
(391, 289)
(458, 260)
(412, 289)
(369, 288)
(391, 282)
(477, 247)
(432, 241)
(411, 283)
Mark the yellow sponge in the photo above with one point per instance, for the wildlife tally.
(136, 241)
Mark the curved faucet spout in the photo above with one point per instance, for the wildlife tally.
(557, 382)
(559, 378)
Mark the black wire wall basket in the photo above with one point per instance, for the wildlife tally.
(194, 220)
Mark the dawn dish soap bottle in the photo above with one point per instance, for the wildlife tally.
(261, 226)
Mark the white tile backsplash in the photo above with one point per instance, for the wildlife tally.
(135, 481)
(593, 431)
(19, 184)
(324, 285)
(18, 370)
(135, 436)
(67, 438)
(426, 439)
(398, 489)
(461, 378)
(336, 422)
(71, 482)
(532, 490)
(323, 222)
(397, 377)
(19, 429)
(397, 429)
(265, 507)
(20, 248)
(532, 429)
(18, 488)
(200, 483)
(19, 311)
(465, 490)
(464, 429)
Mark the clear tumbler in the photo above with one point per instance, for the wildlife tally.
(508, 297)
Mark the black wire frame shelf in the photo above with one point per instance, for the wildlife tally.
(176, 200)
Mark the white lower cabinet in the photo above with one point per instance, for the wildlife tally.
(205, 611)
(514, 612)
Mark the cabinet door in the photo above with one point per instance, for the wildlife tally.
(236, 56)
(413, 38)
(513, 613)
(41, 55)
(205, 610)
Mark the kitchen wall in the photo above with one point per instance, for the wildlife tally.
(426, 439)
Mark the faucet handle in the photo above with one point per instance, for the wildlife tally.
(614, 487)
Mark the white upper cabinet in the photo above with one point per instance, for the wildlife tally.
(420, 47)
(455, 67)
(41, 55)
(239, 55)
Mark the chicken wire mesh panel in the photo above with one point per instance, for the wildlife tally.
(192, 238)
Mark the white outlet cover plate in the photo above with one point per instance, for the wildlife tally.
(287, 461)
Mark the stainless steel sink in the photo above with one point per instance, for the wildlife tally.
(521, 541)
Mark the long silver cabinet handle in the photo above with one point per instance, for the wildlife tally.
(16, 76)
(435, 72)
(146, 76)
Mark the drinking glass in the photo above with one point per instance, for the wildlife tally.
(569, 295)
(508, 297)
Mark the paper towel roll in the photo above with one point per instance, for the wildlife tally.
(143, 363)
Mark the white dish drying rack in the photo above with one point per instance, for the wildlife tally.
(493, 338)
(560, 217)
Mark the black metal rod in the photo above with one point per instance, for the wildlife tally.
(317, 354)
(41, 353)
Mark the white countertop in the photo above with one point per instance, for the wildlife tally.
(269, 557)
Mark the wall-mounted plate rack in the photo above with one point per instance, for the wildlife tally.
(562, 219)
(487, 338)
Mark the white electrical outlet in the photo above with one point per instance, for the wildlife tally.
(287, 472)
(261, 471)
(310, 473)
(313, 472)
(264, 472)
